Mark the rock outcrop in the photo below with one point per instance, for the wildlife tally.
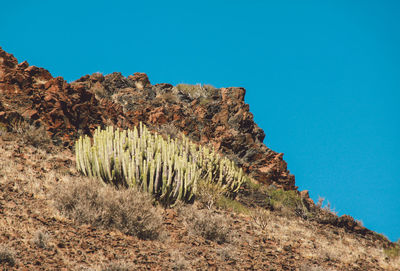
(209, 116)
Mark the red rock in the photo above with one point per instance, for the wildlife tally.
(140, 78)
(304, 194)
(64, 108)
(31, 114)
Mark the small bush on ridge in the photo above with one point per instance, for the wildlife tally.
(206, 223)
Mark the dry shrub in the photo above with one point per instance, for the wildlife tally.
(232, 205)
(7, 255)
(88, 201)
(114, 266)
(117, 267)
(206, 223)
(289, 202)
(228, 253)
(306, 267)
(30, 134)
(208, 193)
(326, 207)
(179, 262)
(196, 91)
(261, 217)
(169, 97)
(393, 252)
(41, 239)
(169, 129)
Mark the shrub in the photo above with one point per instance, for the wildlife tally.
(195, 91)
(119, 266)
(327, 207)
(90, 202)
(209, 193)
(261, 217)
(393, 251)
(31, 134)
(229, 204)
(7, 255)
(169, 169)
(287, 201)
(41, 239)
(206, 223)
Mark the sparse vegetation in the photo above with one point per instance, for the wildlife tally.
(326, 207)
(196, 91)
(119, 266)
(209, 194)
(287, 201)
(261, 217)
(32, 134)
(88, 201)
(7, 255)
(41, 239)
(179, 262)
(393, 252)
(229, 204)
(206, 223)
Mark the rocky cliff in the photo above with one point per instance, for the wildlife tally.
(207, 115)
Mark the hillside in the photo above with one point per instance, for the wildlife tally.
(41, 117)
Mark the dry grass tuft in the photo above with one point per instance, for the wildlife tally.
(206, 223)
(179, 262)
(41, 239)
(288, 202)
(7, 255)
(261, 217)
(117, 267)
(88, 201)
(196, 91)
(394, 251)
(30, 134)
(208, 194)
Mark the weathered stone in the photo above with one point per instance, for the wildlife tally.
(219, 117)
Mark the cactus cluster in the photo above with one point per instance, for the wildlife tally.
(169, 169)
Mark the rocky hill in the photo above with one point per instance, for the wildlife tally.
(40, 119)
(215, 116)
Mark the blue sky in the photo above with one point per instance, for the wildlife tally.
(322, 77)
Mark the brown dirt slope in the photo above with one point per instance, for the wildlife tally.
(37, 237)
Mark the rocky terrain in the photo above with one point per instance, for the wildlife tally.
(42, 116)
(215, 116)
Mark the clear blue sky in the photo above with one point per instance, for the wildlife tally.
(322, 77)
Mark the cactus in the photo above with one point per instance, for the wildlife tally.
(170, 169)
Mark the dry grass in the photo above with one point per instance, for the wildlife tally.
(287, 202)
(169, 129)
(7, 256)
(316, 243)
(30, 134)
(208, 194)
(325, 244)
(394, 251)
(114, 266)
(196, 91)
(206, 223)
(41, 239)
(88, 201)
(261, 217)
(179, 262)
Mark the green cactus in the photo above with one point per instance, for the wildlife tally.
(170, 169)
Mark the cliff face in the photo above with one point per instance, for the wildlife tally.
(209, 116)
